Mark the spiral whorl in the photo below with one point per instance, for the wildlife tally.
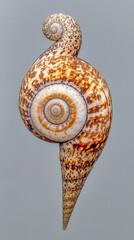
(59, 112)
(64, 29)
(64, 99)
(53, 28)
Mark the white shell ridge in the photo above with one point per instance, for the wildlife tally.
(59, 112)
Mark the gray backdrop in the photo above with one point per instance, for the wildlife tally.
(30, 180)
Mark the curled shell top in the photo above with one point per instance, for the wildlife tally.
(64, 99)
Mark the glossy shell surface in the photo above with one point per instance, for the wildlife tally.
(64, 99)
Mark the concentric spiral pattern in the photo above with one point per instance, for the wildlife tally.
(65, 31)
(59, 112)
(53, 31)
(64, 99)
(56, 110)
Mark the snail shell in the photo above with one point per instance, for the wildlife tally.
(61, 114)
(64, 99)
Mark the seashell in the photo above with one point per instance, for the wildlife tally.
(64, 99)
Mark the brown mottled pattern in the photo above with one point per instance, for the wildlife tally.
(68, 42)
(59, 65)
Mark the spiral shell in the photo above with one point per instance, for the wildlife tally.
(52, 31)
(65, 31)
(59, 112)
(64, 99)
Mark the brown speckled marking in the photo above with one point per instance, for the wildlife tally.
(68, 42)
(59, 65)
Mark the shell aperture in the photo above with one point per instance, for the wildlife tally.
(64, 99)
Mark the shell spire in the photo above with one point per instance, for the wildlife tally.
(65, 100)
(66, 33)
(72, 181)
